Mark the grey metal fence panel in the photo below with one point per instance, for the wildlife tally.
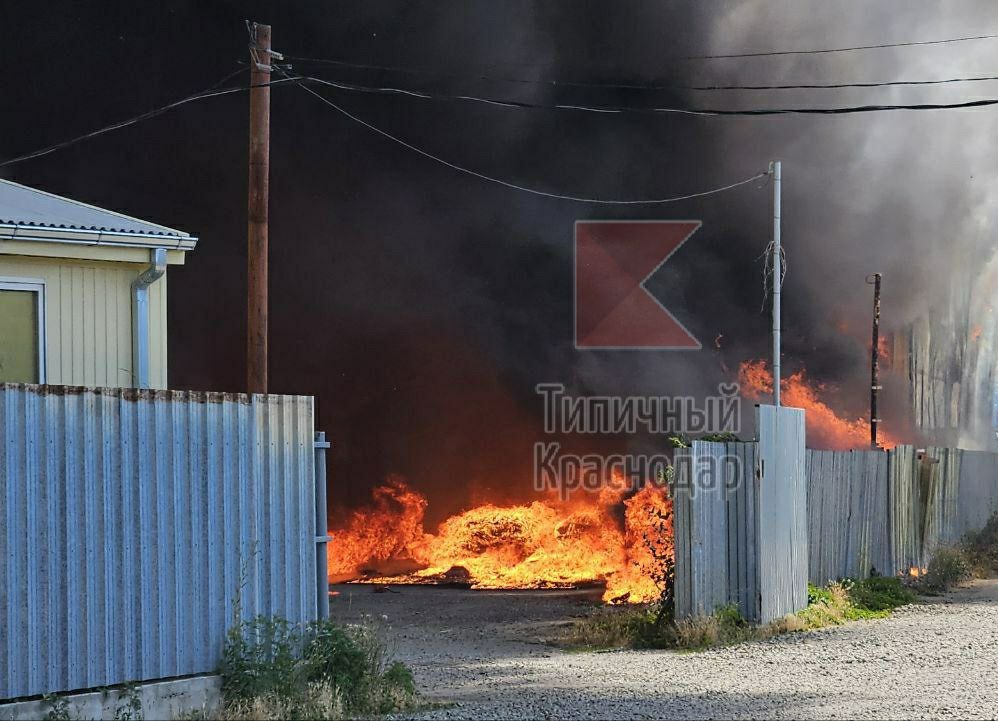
(937, 500)
(134, 520)
(977, 496)
(782, 515)
(903, 511)
(714, 527)
(847, 514)
(940, 491)
(743, 567)
(702, 548)
(683, 583)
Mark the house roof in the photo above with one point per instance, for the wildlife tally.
(33, 215)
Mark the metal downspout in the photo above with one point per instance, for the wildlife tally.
(140, 316)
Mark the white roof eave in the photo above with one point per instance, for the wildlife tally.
(85, 236)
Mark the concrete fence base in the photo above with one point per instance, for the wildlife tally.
(159, 700)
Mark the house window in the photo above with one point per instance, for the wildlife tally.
(22, 331)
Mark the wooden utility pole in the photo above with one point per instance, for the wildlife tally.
(258, 217)
(875, 387)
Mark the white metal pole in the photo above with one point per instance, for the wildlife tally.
(777, 280)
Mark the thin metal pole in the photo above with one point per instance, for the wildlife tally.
(258, 216)
(875, 359)
(776, 167)
(321, 445)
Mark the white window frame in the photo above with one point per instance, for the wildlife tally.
(36, 286)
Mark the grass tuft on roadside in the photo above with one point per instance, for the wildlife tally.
(832, 605)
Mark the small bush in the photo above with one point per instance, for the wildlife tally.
(698, 632)
(948, 567)
(982, 548)
(724, 627)
(260, 659)
(826, 606)
(273, 669)
(620, 628)
(332, 655)
(877, 595)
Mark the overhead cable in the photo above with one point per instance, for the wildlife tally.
(209, 93)
(639, 86)
(611, 109)
(515, 186)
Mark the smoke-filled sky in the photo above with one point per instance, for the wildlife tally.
(420, 305)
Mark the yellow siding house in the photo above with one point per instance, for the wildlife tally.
(82, 292)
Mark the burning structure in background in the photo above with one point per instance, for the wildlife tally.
(952, 366)
(543, 544)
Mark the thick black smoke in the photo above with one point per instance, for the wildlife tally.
(421, 306)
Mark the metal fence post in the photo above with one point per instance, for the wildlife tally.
(321, 532)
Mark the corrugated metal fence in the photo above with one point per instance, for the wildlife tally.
(132, 520)
(886, 512)
(847, 514)
(714, 524)
(791, 516)
(782, 518)
(740, 522)
(977, 496)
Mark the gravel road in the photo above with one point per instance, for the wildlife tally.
(484, 653)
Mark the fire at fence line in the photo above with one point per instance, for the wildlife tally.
(548, 543)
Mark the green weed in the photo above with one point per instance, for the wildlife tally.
(272, 668)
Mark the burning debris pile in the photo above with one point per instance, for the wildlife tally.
(543, 544)
(826, 428)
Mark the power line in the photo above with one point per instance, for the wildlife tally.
(515, 186)
(210, 92)
(716, 56)
(606, 109)
(824, 86)
(840, 50)
(227, 78)
(635, 86)
(622, 109)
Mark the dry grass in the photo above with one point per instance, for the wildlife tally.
(318, 701)
(618, 627)
(698, 632)
(982, 549)
(790, 623)
(832, 605)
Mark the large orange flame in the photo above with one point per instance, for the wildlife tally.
(825, 428)
(543, 544)
(385, 530)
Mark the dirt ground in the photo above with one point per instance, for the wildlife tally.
(484, 654)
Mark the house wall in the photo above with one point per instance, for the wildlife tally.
(88, 319)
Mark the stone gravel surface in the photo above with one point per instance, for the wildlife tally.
(483, 654)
